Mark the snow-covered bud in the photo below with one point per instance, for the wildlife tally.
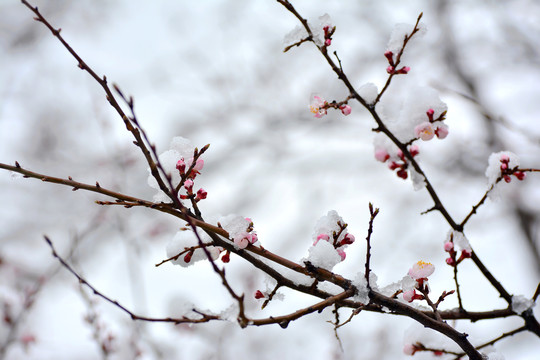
(409, 349)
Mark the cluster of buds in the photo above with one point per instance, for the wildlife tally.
(338, 239)
(401, 164)
(318, 106)
(244, 238)
(391, 69)
(433, 127)
(328, 32)
(189, 171)
(419, 272)
(452, 258)
(506, 171)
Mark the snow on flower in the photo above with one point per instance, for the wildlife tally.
(179, 155)
(421, 270)
(501, 164)
(421, 107)
(330, 238)
(317, 105)
(520, 304)
(240, 230)
(322, 33)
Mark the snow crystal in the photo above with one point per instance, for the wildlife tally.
(391, 289)
(493, 170)
(235, 225)
(323, 255)
(295, 35)
(368, 92)
(520, 304)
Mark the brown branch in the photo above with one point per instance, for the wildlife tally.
(373, 213)
(204, 317)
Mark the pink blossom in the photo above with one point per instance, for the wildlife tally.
(421, 270)
(341, 254)
(345, 109)
(199, 164)
(424, 131)
(441, 131)
(317, 106)
(381, 155)
(448, 246)
(241, 241)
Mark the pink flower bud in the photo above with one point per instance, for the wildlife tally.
(381, 155)
(227, 257)
(448, 246)
(187, 257)
(441, 132)
(323, 237)
(201, 194)
(404, 70)
(328, 42)
(259, 294)
(505, 158)
(348, 239)
(345, 109)
(450, 261)
(507, 178)
(520, 175)
(390, 57)
(391, 70)
(188, 185)
(409, 295)
(430, 114)
(402, 174)
(504, 166)
(181, 166)
(341, 254)
(414, 150)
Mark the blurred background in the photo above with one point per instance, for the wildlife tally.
(215, 72)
